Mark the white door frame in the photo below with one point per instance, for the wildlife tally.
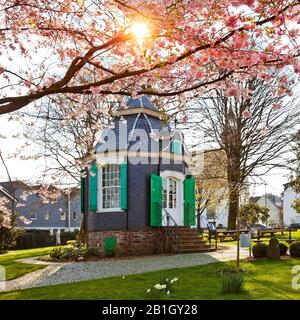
(178, 216)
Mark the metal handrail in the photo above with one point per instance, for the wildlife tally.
(170, 232)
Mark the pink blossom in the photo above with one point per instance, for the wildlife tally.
(247, 114)
(279, 21)
(276, 106)
(172, 59)
(232, 92)
(231, 22)
(199, 74)
(247, 2)
(240, 40)
(297, 68)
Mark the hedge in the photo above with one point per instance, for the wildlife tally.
(41, 238)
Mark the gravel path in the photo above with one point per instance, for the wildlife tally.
(57, 273)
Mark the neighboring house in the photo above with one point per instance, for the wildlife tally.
(274, 203)
(290, 215)
(62, 214)
(220, 216)
(140, 178)
(5, 193)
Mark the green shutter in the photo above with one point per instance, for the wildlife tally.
(93, 187)
(123, 186)
(155, 200)
(82, 181)
(176, 147)
(189, 201)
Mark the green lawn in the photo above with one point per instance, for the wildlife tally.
(266, 279)
(15, 269)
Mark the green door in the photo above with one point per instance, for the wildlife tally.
(189, 201)
(155, 200)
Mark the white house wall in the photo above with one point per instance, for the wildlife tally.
(221, 217)
(289, 214)
(274, 212)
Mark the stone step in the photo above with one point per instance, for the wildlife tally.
(189, 236)
(187, 233)
(196, 250)
(191, 243)
(190, 246)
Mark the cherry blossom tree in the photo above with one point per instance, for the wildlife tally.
(134, 47)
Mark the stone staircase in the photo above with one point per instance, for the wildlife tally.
(188, 241)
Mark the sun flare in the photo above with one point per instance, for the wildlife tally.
(140, 30)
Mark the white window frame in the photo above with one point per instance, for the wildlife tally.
(34, 215)
(64, 215)
(100, 189)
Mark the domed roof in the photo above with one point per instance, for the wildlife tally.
(142, 102)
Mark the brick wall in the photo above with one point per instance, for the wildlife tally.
(131, 242)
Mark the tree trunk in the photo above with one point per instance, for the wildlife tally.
(233, 207)
(199, 229)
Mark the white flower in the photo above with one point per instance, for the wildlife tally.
(160, 286)
(148, 290)
(168, 292)
(174, 280)
(123, 277)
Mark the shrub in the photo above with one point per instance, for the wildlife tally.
(56, 253)
(70, 254)
(92, 252)
(34, 239)
(73, 253)
(283, 249)
(67, 236)
(71, 242)
(295, 249)
(233, 282)
(259, 250)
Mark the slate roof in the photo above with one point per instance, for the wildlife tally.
(6, 193)
(274, 199)
(14, 185)
(126, 130)
(142, 102)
